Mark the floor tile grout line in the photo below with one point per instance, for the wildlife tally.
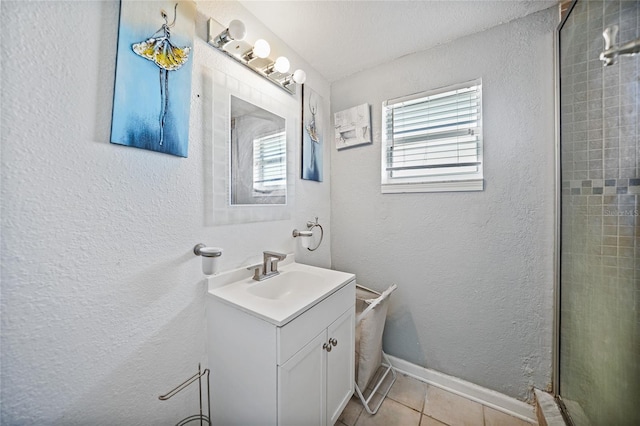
(359, 414)
(484, 421)
(421, 413)
(424, 398)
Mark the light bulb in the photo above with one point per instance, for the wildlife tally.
(281, 65)
(261, 49)
(237, 30)
(299, 76)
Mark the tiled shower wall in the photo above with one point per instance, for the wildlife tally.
(600, 266)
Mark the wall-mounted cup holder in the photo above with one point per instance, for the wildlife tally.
(210, 258)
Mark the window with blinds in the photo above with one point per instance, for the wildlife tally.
(270, 164)
(432, 141)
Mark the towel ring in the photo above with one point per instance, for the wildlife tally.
(309, 233)
(310, 226)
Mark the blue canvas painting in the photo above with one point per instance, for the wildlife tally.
(312, 125)
(152, 92)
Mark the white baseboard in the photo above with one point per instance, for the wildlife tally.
(468, 390)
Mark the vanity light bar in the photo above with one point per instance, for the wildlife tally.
(230, 42)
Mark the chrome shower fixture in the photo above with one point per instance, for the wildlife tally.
(230, 41)
(611, 51)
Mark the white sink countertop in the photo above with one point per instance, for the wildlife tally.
(278, 299)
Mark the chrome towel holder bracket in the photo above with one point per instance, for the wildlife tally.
(309, 233)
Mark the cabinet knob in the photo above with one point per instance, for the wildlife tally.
(327, 347)
(333, 341)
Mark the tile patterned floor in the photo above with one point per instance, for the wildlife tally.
(414, 403)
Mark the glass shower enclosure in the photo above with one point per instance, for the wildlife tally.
(598, 361)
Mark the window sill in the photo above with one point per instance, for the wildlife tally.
(450, 186)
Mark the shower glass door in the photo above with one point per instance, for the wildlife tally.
(599, 342)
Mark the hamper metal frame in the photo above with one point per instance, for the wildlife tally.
(386, 363)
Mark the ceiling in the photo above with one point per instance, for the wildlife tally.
(340, 38)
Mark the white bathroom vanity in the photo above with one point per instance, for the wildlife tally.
(281, 351)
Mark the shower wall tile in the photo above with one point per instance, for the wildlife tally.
(600, 172)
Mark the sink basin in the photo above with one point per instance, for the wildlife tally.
(288, 284)
(281, 298)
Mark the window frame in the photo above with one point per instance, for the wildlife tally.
(435, 183)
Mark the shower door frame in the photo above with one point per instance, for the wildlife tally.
(555, 359)
(556, 372)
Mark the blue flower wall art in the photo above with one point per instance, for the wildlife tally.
(152, 92)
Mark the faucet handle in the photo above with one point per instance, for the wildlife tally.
(257, 270)
(610, 35)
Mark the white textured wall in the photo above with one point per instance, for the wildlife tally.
(102, 297)
(474, 269)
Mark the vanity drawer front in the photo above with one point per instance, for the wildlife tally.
(297, 333)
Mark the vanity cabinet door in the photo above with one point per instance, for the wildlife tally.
(340, 364)
(302, 384)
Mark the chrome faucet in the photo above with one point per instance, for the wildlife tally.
(269, 266)
(611, 51)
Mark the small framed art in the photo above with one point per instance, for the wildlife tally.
(353, 126)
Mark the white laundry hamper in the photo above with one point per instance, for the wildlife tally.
(371, 362)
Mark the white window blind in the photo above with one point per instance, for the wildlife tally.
(432, 141)
(270, 164)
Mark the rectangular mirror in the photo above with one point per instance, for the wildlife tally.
(258, 148)
(235, 197)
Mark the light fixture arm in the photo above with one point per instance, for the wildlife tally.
(221, 38)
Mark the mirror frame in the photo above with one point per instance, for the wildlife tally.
(276, 102)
